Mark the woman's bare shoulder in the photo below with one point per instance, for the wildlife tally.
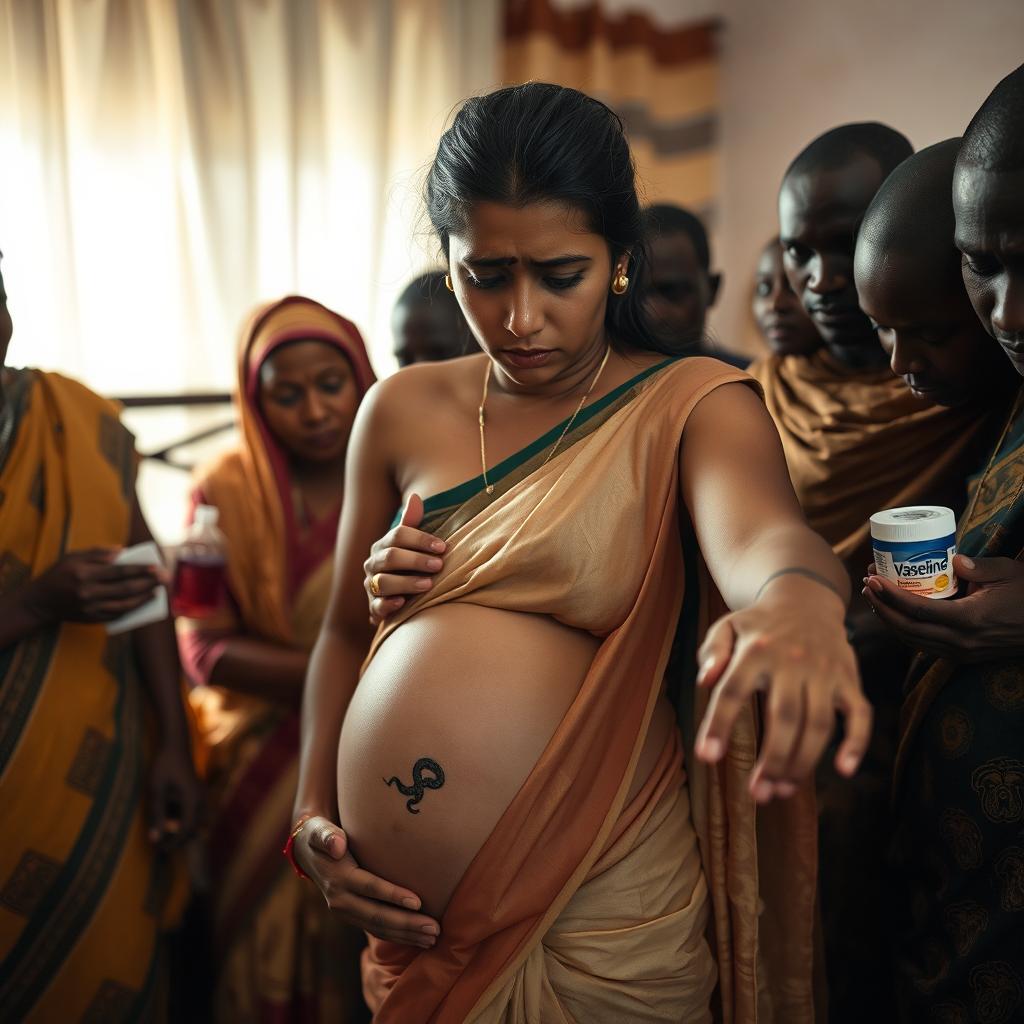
(430, 380)
(417, 396)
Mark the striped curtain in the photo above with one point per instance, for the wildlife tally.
(663, 83)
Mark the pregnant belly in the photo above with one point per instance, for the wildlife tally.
(445, 726)
(455, 709)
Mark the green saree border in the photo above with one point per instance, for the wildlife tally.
(66, 910)
(446, 511)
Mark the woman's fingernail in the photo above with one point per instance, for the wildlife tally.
(412, 904)
(762, 791)
(876, 585)
(437, 545)
(422, 584)
(430, 929)
(966, 562)
(433, 564)
(850, 763)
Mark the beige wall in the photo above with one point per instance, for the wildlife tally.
(794, 68)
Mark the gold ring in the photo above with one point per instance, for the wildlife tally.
(375, 584)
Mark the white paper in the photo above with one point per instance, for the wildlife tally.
(156, 608)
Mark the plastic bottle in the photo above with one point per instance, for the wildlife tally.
(200, 570)
(914, 547)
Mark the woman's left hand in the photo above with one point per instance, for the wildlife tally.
(987, 624)
(176, 799)
(791, 645)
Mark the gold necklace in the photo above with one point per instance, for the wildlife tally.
(488, 486)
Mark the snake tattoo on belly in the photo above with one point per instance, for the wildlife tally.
(419, 783)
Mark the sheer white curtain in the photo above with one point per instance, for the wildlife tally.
(166, 164)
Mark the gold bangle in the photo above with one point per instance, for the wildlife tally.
(301, 824)
(375, 584)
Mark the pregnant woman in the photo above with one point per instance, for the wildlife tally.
(503, 750)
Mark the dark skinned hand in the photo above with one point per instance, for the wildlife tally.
(85, 586)
(987, 624)
(175, 799)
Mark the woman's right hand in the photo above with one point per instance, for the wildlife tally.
(362, 899)
(86, 586)
(404, 562)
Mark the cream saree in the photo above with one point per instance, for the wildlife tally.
(540, 927)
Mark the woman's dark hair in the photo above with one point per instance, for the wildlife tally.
(546, 143)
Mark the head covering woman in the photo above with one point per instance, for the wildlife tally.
(272, 934)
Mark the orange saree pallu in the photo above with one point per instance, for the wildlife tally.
(577, 904)
(84, 896)
(282, 956)
(857, 442)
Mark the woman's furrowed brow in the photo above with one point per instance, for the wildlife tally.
(506, 261)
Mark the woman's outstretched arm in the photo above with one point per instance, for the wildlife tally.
(788, 592)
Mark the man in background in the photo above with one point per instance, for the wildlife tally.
(427, 323)
(677, 283)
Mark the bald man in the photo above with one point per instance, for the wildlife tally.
(959, 788)
(909, 284)
(847, 424)
(824, 194)
(857, 440)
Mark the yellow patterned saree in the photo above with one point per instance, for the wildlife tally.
(83, 894)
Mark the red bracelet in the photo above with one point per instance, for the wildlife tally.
(289, 847)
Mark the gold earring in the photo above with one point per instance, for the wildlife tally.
(448, 282)
(620, 283)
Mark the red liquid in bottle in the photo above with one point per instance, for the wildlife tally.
(198, 587)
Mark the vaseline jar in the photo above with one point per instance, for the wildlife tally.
(914, 547)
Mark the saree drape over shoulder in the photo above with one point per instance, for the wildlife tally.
(959, 795)
(83, 894)
(281, 955)
(537, 928)
(858, 442)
